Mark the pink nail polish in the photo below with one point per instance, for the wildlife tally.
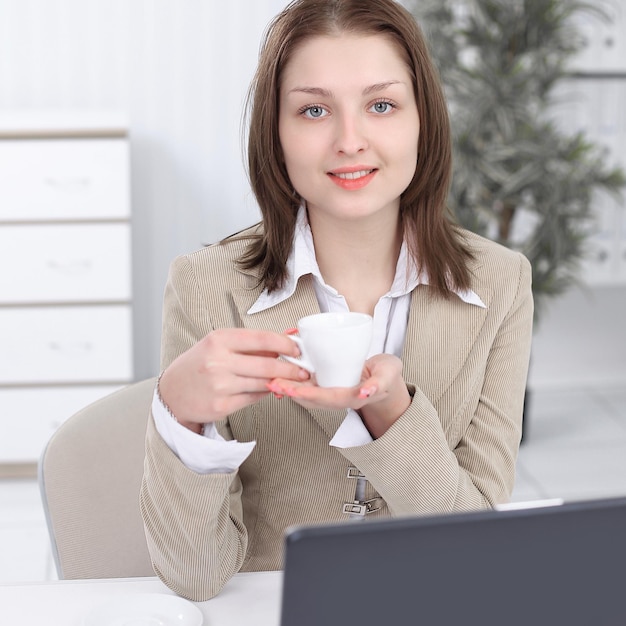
(366, 392)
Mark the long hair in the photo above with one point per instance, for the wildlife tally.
(434, 241)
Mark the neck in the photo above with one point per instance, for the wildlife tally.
(358, 258)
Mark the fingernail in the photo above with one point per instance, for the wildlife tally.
(303, 375)
(366, 392)
(273, 387)
(278, 396)
(291, 331)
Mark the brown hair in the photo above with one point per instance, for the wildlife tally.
(434, 240)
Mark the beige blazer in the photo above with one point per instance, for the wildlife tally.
(454, 449)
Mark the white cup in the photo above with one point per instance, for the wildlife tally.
(334, 347)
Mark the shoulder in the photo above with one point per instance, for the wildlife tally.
(209, 286)
(211, 274)
(227, 250)
(218, 260)
(496, 269)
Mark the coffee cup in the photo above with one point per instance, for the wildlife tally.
(334, 347)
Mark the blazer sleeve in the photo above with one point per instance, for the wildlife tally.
(413, 467)
(194, 522)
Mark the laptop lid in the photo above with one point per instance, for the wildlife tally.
(542, 565)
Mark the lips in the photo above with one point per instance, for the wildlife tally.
(352, 178)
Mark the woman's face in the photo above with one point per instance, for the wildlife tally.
(348, 125)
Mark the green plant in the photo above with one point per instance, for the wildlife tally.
(519, 178)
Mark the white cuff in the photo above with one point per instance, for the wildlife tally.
(352, 432)
(208, 454)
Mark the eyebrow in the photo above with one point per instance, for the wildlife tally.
(325, 93)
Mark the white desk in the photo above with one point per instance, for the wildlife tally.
(247, 599)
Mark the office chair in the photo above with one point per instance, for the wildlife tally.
(89, 477)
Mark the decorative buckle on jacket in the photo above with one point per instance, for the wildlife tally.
(362, 507)
(355, 472)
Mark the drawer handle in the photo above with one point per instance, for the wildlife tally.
(602, 256)
(77, 266)
(74, 348)
(70, 185)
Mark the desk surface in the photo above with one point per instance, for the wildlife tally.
(248, 598)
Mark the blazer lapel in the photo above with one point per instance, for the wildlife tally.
(281, 316)
(440, 336)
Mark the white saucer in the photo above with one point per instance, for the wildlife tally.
(146, 609)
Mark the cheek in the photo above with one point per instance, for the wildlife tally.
(406, 150)
(302, 158)
(289, 144)
(408, 157)
(292, 156)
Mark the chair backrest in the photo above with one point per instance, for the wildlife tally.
(89, 477)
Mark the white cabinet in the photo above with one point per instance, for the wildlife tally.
(65, 344)
(606, 40)
(596, 104)
(603, 103)
(64, 262)
(596, 98)
(64, 179)
(621, 249)
(65, 274)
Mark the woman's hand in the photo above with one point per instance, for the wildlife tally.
(381, 397)
(226, 371)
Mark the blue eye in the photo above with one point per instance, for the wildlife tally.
(314, 112)
(382, 107)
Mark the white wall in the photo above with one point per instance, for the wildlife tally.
(179, 70)
(581, 339)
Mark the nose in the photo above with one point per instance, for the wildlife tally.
(350, 135)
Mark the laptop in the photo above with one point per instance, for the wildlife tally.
(561, 565)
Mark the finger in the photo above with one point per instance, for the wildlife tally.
(369, 387)
(234, 386)
(330, 397)
(248, 341)
(217, 407)
(252, 366)
(367, 391)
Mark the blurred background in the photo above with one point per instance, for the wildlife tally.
(121, 147)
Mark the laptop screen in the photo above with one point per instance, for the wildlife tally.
(555, 565)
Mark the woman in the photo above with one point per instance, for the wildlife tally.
(349, 159)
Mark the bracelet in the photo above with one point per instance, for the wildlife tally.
(166, 406)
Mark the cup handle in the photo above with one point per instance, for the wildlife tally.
(301, 362)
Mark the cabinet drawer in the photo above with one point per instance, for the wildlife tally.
(65, 344)
(56, 179)
(30, 417)
(64, 263)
